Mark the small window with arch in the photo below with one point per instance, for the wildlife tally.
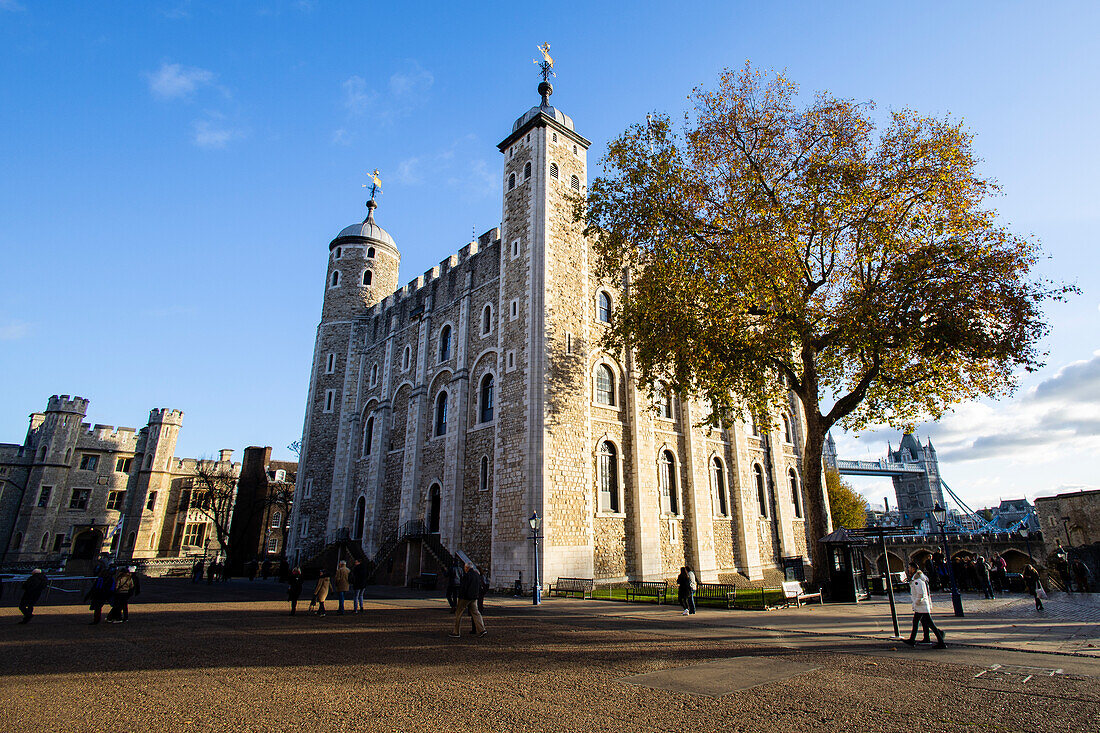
(605, 385)
(338, 251)
(575, 183)
(335, 279)
(444, 344)
(511, 181)
(526, 170)
(368, 277)
(487, 320)
(370, 253)
(406, 358)
(603, 307)
(373, 374)
(554, 171)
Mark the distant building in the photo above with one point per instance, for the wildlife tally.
(261, 514)
(1012, 511)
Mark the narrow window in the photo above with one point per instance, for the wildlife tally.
(303, 528)
(666, 401)
(330, 400)
(441, 414)
(603, 311)
(373, 374)
(719, 474)
(44, 496)
(330, 364)
(554, 171)
(511, 181)
(511, 360)
(569, 343)
(555, 137)
(337, 253)
(308, 491)
(360, 516)
(487, 320)
(574, 183)
(483, 483)
(45, 542)
(153, 541)
(795, 499)
(335, 278)
(515, 310)
(515, 249)
(368, 277)
(368, 436)
(370, 253)
(151, 502)
(574, 150)
(526, 170)
(445, 344)
(788, 434)
(761, 493)
(605, 385)
(406, 358)
(608, 471)
(669, 498)
(486, 398)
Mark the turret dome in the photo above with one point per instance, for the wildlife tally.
(366, 229)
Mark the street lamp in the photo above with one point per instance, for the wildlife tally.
(536, 523)
(940, 515)
(1025, 533)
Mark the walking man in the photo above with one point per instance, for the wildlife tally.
(32, 589)
(922, 607)
(126, 586)
(468, 590)
(359, 584)
(982, 567)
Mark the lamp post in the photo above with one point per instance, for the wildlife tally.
(940, 515)
(536, 523)
(1025, 533)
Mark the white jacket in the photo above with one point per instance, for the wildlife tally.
(918, 588)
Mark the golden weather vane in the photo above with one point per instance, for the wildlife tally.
(376, 184)
(546, 66)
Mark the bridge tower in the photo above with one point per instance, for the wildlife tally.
(917, 493)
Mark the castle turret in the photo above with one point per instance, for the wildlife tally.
(147, 504)
(362, 269)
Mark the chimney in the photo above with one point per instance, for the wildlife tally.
(225, 455)
(887, 500)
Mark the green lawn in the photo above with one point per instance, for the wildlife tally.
(747, 598)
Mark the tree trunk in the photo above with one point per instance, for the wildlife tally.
(818, 521)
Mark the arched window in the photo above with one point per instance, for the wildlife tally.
(445, 344)
(441, 414)
(487, 320)
(153, 541)
(554, 171)
(367, 277)
(338, 253)
(666, 401)
(667, 480)
(719, 474)
(526, 170)
(605, 385)
(788, 433)
(406, 358)
(368, 436)
(370, 253)
(483, 477)
(608, 473)
(511, 181)
(486, 399)
(276, 520)
(131, 540)
(603, 307)
(795, 498)
(335, 278)
(434, 507)
(373, 374)
(45, 542)
(756, 427)
(761, 492)
(574, 183)
(360, 516)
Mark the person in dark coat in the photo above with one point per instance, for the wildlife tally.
(1031, 580)
(295, 589)
(211, 572)
(197, 571)
(467, 599)
(984, 583)
(358, 584)
(126, 587)
(685, 587)
(454, 580)
(32, 590)
(103, 587)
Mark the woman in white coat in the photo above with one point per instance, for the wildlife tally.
(922, 607)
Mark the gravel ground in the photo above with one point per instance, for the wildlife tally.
(192, 659)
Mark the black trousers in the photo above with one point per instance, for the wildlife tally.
(925, 620)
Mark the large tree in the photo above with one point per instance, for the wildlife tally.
(770, 247)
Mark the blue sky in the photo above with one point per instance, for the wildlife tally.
(171, 174)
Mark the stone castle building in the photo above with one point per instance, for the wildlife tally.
(72, 491)
(478, 394)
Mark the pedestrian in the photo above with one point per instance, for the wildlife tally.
(359, 584)
(1080, 575)
(341, 583)
(684, 592)
(922, 608)
(454, 580)
(197, 571)
(126, 587)
(982, 569)
(468, 589)
(33, 586)
(320, 592)
(211, 572)
(295, 589)
(1034, 586)
(1000, 569)
(102, 589)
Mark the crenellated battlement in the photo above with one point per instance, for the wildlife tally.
(109, 432)
(63, 403)
(165, 415)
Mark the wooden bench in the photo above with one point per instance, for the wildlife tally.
(569, 586)
(794, 593)
(424, 581)
(656, 589)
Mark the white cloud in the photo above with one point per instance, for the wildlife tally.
(356, 96)
(341, 137)
(13, 330)
(175, 81)
(414, 82)
(408, 171)
(214, 133)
